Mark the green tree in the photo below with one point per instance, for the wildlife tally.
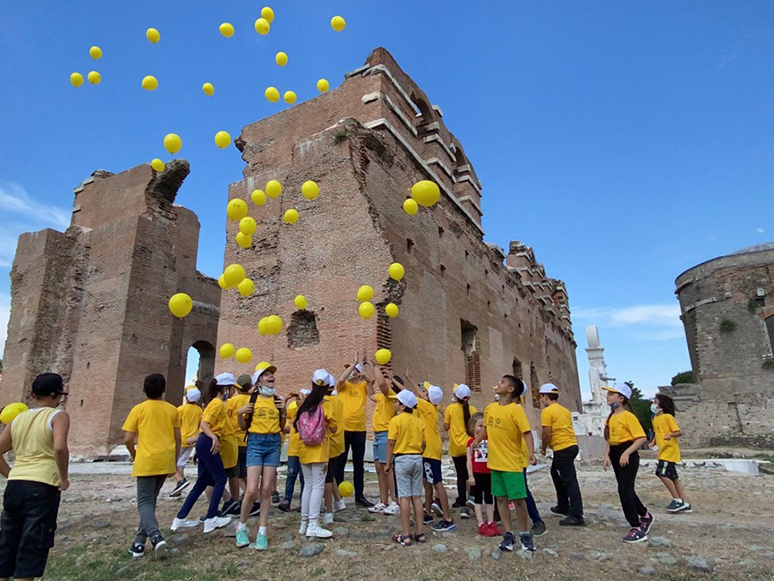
(640, 406)
(683, 377)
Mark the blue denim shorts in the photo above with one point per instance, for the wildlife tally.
(380, 447)
(263, 450)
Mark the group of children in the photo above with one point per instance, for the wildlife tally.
(238, 436)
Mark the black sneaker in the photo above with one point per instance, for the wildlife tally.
(470, 503)
(572, 521)
(230, 508)
(527, 544)
(538, 529)
(445, 526)
(509, 541)
(646, 522)
(562, 511)
(428, 519)
(459, 503)
(275, 497)
(284, 506)
(436, 506)
(179, 487)
(464, 512)
(137, 550)
(256, 509)
(636, 535)
(159, 547)
(363, 502)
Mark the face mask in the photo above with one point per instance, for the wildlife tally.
(615, 406)
(653, 408)
(267, 391)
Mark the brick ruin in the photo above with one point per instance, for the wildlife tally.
(91, 303)
(727, 309)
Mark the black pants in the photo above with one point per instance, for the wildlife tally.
(28, 527)
(482, 491)
(632, 506)
(461, 467)
(568, 496)
(357, 441)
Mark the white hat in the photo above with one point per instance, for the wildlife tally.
(193, 395)
(322, 378)
(462, 391)
(332, 380)
(407, 398)
(305, 391)
(549, 388)
(359, 368)
(621, 388)
(435, 394)
(260, 370)
(226, 379)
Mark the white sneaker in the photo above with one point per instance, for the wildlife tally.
(328, 518)
(303, 527)
(378, 507)
(339, 505)
(217, 522)
(183, 523)
(392, 508)
(314, 530)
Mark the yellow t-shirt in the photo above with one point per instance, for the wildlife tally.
(32, 436)
(265, 417)
(154, 421)
(337, 441)
(458, 431)
(428, 413)
(294, 437)
(559, 419)
(406, 429)
(383, 412)
(321, 452)
(505, 427)
(232, 405)
(668, 450)
(354, 396)
(624, 427)
(190, 416)
(215, 415)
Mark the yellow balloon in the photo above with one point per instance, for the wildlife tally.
(273, 324)
(410, 207)
(246, 287)
(152, 35)
(226, 351)
(226, 29)
(366, 310)
(291, 216)
(150, 83)
(222, 139)
(76, 79)
(11, 411)
(310, 190)
(365, 293)
(272, 94)
(173, 143)
(158, 165)
(397, 271)
(267, 13)
(208, 89)
(300, 302)
(391, 310)
(273, 189)
(346, 488)
(233, 275)
(426, 193)
(180, 305)
(262, 26)
(247, 226)
(95, 52)
(290, 97)
(244, 355)
(94, 78)
(281, 58)
(236, 209)
(262, 330)
(292, 406)
(244, 240)
(338, 23)
(383, 356)
(258, 197)
(323, 85)
(222, 282)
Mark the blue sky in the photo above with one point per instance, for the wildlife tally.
(624, 141)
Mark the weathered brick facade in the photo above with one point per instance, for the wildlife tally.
(468, 312)
(728, 313)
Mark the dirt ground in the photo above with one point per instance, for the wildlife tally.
(731, 529)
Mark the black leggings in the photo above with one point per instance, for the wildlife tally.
(461, 467)
(356, 441)
(626, 475)
(482, 491)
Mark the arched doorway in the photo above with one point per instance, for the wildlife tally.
(200, 364)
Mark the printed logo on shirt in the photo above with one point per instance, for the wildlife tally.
(481, 452)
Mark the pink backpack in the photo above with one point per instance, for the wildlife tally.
(312, 426)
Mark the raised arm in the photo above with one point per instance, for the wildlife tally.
(348, 371)
(411, 385)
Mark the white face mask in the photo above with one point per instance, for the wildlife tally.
(653, 408)
(267, 391)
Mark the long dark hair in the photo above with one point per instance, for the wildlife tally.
(625, 404)
(311, 402)
(465, 410)
(214, 390)
(666, 403)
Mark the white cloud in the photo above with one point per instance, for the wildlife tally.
(648, 322)
(760, 230)
(14, 199)
(5, 312)
(7, 248)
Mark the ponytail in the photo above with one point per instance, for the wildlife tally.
(465, 412)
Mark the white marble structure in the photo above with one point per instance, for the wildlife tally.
(595, 411)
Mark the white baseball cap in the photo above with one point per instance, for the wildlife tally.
(193, 395)
(549, 388)
(621, 388)
(359, 368)
(407, 398)
(462, 391)
(322, 378)
(332, 380)
(226, 379)
(435, 394)
(305, 391)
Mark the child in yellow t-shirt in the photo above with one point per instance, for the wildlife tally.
(156, 426)
(333, 500)
(625, 437)
(405, 445)
(505, 427)
(190, 415)
(666, 431)
(237, 475)
(293, 464)
(383, 413)
(455, 421)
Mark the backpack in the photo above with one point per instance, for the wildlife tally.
(311, 426)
